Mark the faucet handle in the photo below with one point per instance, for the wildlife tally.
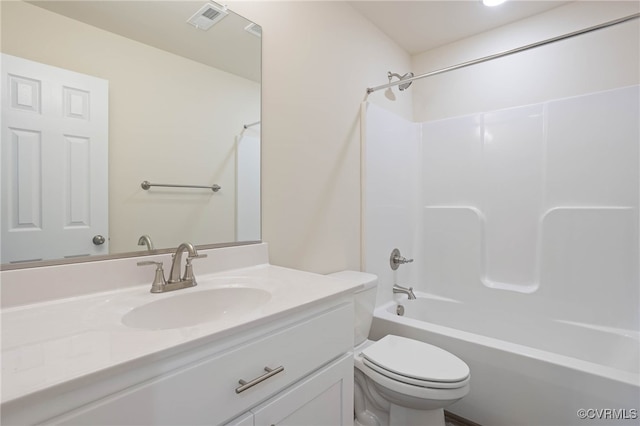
(188, 268)
(158, 280)
(396, 259)
(198, 256)
(149, 262)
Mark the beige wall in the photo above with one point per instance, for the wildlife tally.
(596, 61)
(172, 120)
(318, 59)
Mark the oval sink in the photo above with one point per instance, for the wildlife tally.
(182, 310)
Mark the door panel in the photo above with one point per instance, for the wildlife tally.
(54, 162)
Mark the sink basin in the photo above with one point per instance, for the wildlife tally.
(183, 310)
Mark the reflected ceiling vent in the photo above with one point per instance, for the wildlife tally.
(208, 15)
(254, 29)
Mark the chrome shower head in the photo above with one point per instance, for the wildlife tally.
(402, 86)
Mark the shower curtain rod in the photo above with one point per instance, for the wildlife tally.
(507, 52)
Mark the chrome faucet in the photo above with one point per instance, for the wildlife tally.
(160, 285)
(145, 240)
(174, 274)
(404, 290)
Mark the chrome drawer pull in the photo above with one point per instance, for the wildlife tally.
(269, 373)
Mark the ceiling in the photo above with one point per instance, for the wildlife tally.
(418, 26)
(162, 24)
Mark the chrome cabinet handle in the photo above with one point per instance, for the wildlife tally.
(270, 372)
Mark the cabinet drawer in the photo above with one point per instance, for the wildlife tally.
(205, 392)
(324, 398)
(321, 399)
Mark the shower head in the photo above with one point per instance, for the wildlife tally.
(402, 86)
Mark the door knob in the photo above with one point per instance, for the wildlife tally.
(98, 240)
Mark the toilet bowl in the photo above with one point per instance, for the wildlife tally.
(415, 380)
(397, 380)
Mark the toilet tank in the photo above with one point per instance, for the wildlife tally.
(364, 300)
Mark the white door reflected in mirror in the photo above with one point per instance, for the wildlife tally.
(54, 162)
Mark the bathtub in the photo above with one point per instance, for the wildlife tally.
(527, 371)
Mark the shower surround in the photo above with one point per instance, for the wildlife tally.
(528, 212)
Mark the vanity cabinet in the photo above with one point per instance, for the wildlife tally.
(314, 386)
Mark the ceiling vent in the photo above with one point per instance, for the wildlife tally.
(254, 29)
(208, 15)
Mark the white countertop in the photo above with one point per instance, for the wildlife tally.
(49, 343)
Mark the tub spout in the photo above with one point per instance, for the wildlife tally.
(404, 290)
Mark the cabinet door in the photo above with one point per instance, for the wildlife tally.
(244, 420)
(323, 398)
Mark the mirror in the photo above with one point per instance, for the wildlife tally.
(139, 94)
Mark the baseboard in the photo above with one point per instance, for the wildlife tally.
(451, 419)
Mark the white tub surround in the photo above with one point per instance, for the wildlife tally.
(62, 356)
(526, 221)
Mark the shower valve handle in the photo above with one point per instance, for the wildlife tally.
(396, 259)
(402, 260)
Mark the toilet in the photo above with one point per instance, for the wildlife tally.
(399, 381)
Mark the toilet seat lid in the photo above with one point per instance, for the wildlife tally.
(416, 360)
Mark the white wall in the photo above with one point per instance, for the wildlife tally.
(592, 62)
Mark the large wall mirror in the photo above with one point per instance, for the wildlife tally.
(99, 97)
